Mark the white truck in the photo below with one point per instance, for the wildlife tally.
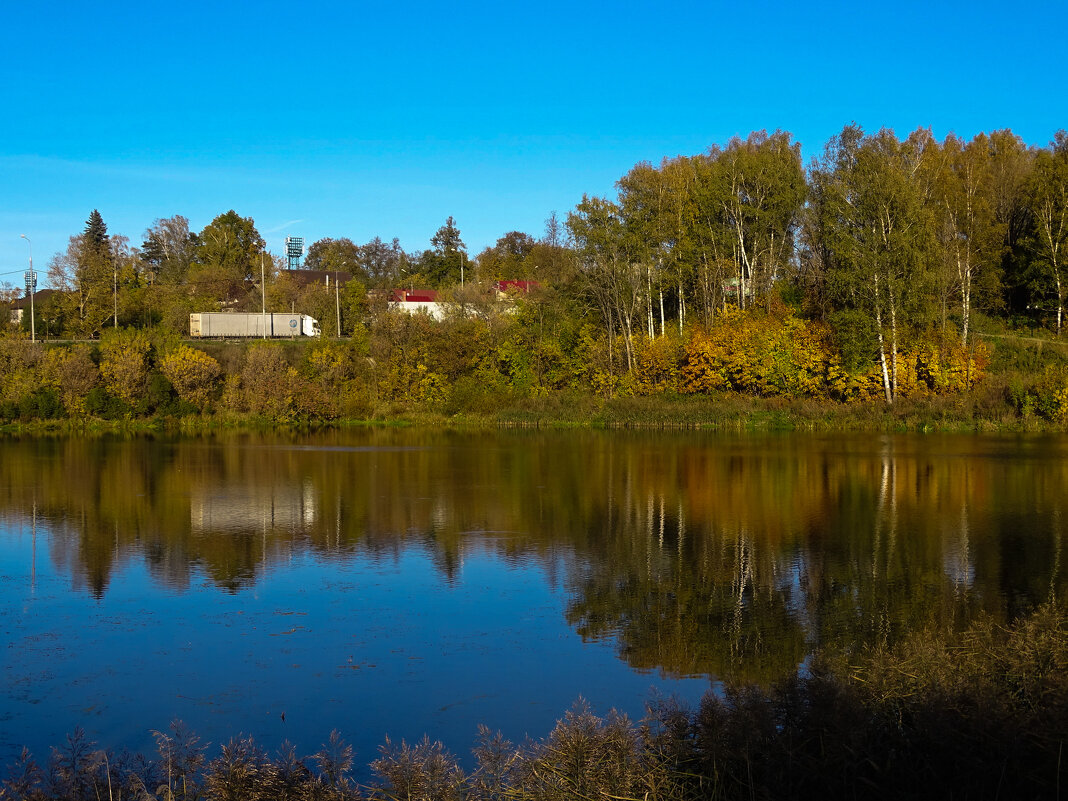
(252, 324)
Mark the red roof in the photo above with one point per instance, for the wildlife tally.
(513, 285)
(413, 296)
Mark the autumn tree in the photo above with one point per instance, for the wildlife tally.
(383, 263)
(84, 272)
(878, 234)
(336, 255)
(1049, 208)
(193, 374)
(507, 258)
(968, 233)
(227, 257)
(72, 373)
(610, 274)
(167, 250)
(124, 364)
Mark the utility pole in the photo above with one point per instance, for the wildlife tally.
(337, 302)
(31, 289)
(263, 296)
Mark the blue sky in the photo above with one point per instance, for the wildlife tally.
(382, 119)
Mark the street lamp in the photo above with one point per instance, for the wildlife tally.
(31, 289)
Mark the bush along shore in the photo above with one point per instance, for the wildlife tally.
(980, 713)
(751, 370)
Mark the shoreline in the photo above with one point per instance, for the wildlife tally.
(730, 413)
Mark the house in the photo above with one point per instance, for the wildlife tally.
(22, 305)
(328, 278)
(511, 287)
(416, 300)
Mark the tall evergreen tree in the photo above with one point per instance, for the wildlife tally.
(443, 265)
(96, 234)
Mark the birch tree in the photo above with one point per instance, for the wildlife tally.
(878, 234)
(610, 276)
(1049, 207)
(970, 237)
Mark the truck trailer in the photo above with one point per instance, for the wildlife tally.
(252, 324)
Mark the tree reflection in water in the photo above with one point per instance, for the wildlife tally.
(732, 557)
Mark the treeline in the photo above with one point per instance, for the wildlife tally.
(875, 260)
(976, 714)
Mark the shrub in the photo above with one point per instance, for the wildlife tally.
(125, 364)
(193, 374)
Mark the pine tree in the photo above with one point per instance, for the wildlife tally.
(96, 235)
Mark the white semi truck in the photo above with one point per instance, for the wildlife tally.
(252, 324)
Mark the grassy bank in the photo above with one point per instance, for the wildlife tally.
(132, 381)
(981, 713)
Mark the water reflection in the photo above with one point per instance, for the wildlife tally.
(725, 557)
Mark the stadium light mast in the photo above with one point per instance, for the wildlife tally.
(31, 289)
(294, 250)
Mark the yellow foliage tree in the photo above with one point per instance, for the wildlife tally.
(268, 382)
(759, 354)
(124, 364)
(193, 374)
(656, 367)
(72, 373)
(18, 368)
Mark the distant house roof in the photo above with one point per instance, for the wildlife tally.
(18, 307)
(413, 296)
(327, 277)
(38, 296)
(514, 285)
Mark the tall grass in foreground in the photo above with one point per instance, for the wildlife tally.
(976, 714)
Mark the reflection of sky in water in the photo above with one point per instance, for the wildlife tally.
(370, 646)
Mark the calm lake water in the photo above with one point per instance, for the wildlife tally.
(386, 582)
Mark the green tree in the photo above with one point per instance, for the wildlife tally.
(336, 255)
(878, 233)
(228, 254)
(1049, 208)
(507, 259)
(167, 250)
(969, 235)
(443, 265)
(642, 204)
(764, 185)
(610, 275)
(383, 263)
(1011, 165)
(85, 273)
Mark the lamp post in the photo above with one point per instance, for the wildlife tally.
(263, 297)
(31, 289)
(337, 301)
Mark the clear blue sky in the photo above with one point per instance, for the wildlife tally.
(382, 119)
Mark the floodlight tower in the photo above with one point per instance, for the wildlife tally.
(31, 289)
(294, 250)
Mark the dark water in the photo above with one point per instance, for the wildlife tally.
(397, 582)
